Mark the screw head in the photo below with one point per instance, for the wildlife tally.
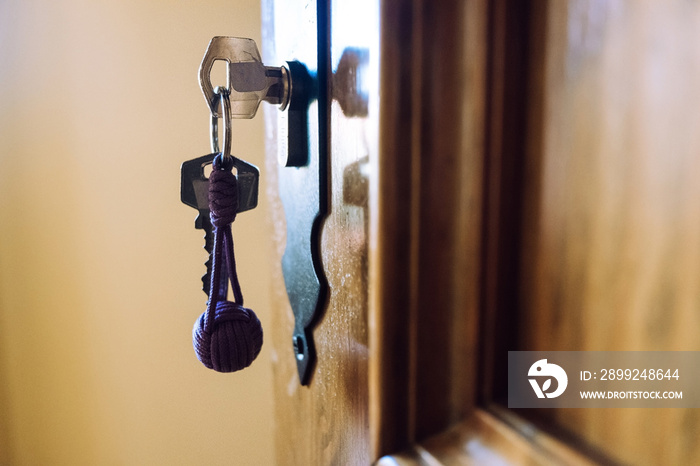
(299, 346)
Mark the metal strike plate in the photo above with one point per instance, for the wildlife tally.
(302, 189)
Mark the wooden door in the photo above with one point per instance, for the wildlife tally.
(608, 254)
(521, 170)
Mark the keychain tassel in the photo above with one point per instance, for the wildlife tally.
(227, 337)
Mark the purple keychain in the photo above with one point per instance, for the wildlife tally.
(227, 337)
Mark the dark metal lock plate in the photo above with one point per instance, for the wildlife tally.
(303, 185)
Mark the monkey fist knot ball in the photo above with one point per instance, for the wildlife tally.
(233, 341)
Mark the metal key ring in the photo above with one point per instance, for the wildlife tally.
(223, 94)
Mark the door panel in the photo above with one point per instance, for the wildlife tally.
(611, 235)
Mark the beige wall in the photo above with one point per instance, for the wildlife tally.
(99, 262)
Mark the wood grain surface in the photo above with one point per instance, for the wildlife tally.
(481, 439)
(611, 231)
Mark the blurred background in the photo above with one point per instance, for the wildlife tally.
(100, 263)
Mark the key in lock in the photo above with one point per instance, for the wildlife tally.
(302, 188)
(248, 80)
(251, 82)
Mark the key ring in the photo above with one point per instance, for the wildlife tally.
(223, 94)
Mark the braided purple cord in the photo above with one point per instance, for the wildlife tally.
(223, 196)
(227, 337)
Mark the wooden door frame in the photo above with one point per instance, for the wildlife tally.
(452, 133)
(424, 299)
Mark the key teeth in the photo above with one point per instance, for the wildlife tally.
(206, 278)
(208, 246)
(205, 224)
